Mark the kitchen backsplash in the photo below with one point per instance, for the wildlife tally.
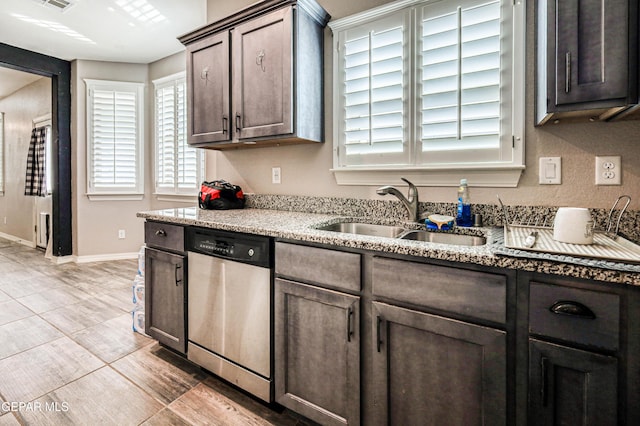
(491, 213)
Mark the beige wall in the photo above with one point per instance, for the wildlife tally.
(305, 168)
(20, 108)
(96, 223)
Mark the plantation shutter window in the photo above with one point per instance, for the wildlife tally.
(430, 88)
(462, 90)
(374, 96)
(115, 137)
(179, 167)
(165, 138)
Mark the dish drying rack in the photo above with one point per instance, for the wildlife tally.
(537, 235)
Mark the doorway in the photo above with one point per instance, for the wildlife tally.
(42, 205)
(60, 73)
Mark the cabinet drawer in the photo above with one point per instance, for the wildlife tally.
(332, 268)
(574, 315)
(164, 236)
(475, 294)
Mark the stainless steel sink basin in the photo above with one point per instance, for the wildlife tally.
(365, 229)
(390, 231)
(444, 238)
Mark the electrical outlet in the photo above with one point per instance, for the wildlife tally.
(275, 175)
(608, 170)
(121, 234)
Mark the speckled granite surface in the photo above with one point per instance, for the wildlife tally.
(289, 218)
(492, 214)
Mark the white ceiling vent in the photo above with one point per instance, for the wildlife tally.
(60, 5)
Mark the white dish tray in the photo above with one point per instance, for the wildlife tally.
(603, 247)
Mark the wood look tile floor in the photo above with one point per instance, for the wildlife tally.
(68, 355)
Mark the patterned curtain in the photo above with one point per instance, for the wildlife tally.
(36, 182)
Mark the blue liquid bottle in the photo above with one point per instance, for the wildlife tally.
(463, 216)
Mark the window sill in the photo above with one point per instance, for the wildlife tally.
(507, 177)
(115, 197)
(177, 198)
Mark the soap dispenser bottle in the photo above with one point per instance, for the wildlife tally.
(463, 215)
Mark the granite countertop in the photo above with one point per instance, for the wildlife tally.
(303, 226)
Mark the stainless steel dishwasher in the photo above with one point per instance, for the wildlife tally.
(229, 307)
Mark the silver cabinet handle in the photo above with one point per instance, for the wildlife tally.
(544, 367)
(567, 70)
(224, 124)
(237, 122)
(161, 233)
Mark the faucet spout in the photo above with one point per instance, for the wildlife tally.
(410, 202)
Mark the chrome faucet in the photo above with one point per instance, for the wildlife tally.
(411, 203)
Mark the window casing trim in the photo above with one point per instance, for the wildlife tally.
(495, 173)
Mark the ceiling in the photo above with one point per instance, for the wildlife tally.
(11, 80)
(135, 31)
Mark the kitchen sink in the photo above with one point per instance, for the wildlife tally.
(391, 231)
(364, 229)
(444, 238)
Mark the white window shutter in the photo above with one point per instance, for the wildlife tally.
(165, 137)
(461, 73)
(179, 167)
(115, 137)
(374, 92)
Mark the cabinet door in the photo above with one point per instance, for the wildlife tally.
(431, 370)
(208, 90)
(571, 387)
(164, 298)
(591, 50)
(317, 353)
(262, 76)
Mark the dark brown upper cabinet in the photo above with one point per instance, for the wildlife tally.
(255, 78)
(587, 59)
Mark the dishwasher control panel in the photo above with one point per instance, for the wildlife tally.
(252, 249)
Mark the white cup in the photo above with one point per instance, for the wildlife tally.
(573, 225)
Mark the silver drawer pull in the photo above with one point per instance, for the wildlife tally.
(161, 233)
(574, 309)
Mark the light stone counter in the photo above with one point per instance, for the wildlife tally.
(301, 226)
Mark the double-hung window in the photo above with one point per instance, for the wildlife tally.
(115, 139)
(431, 90)
(178, 166)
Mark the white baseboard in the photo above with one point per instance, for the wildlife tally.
(59, 260)
(18, 240)
(104, 257)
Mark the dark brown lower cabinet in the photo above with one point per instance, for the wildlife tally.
(165, 298)
(317, 352)
(569, 386)
(433, 370)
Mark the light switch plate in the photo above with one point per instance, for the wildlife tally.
(276, 176)
(550, 171)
